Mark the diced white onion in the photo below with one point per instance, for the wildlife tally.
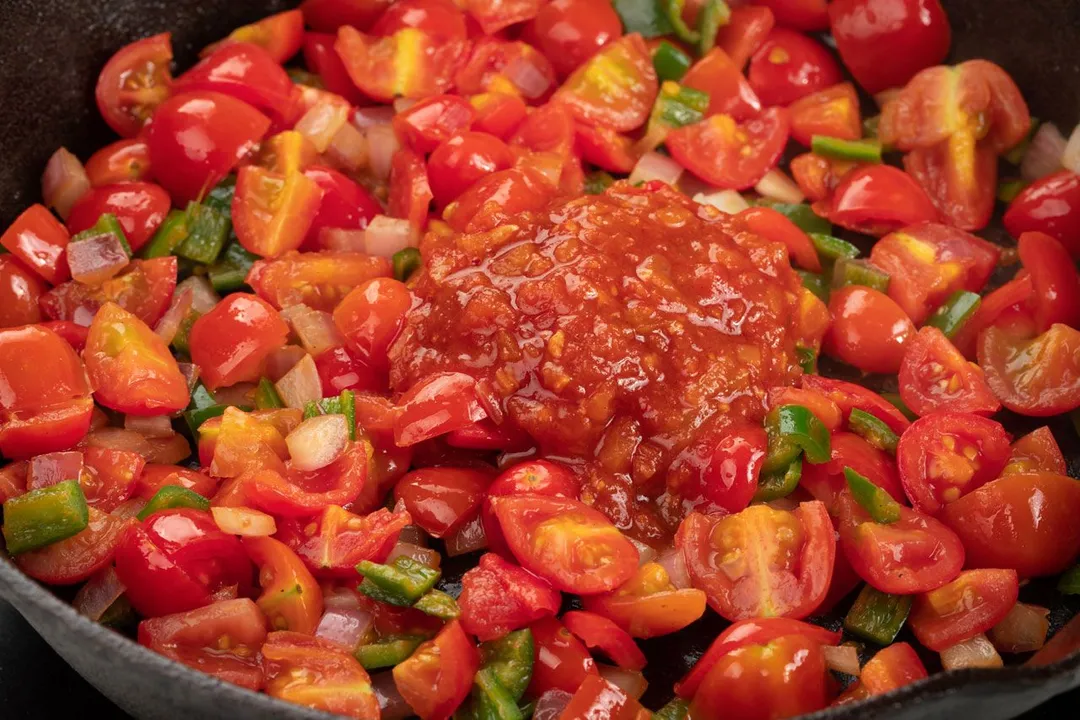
(301, 384)
(654, 166)
(401, 104)
(282, 360)
(631, 682)
(776, 185)
(1024, 629)
(98, 594)
(382, 144)
(340, 598)
(527, 78)
(1044, 155)
(349, 148)
(314, 328)
(551, 704)
(96, 259)
(1070, 159)
(347, 628)
(646, 553)
(150, 426)
(976, 652)
(386, 236)
(727, 201)
(368, 117)
(64, 182)
(169, 324)
(321, 123)
(673, 561)
(244, 521)
(343, 240)
(203, 295)
(318, 441)
(842, 658)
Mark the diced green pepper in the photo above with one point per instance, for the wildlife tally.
(807, 359)
(597, 182)
(107, 224)
(815, 283)
(221, 197)
(388, 652)
(401, 583)
(677, 106)
(1069, 582)
(670, 62)
(511, 659)
(173, 496)
(877, 616)
(180, 340)
(438, 604)
(676, 709)
(713, 16)
(197, 417)
(201, 398)
(266, 396)
(874, 431)
(168, 237)
(831, 248)
(643, 16)
(208, 229)
(780, 484)
(1007, 190)
(954, 312)
(347, 400)
(44, 516)
(230, 273)
(802, 215)
(859, 272)
(490, 700)
(795, 425)
(300, 76)
(674, 10)
(867, 151)
(895, 400)
(312, 409)
(405, 262)
(879, 504)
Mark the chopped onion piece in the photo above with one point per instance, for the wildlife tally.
(96, 259)
(129, 508)
(842, 658)
(239, 394)
(150, 426)
(282, 360)
(244, 521)
(391, 705)
(646, 553)
(527, 78)
(191, 372)
(551, 704)
(301, 384)
(321, 123)
(1045, 153)
(98, 594)
(1070, 159)
(164, 451)
(349, 148)
(314, 328)
(727, 201)
(368, 117)
(631, 682)
(382, 144)
(347, 628)
(343, 239)
(203, 295)
(470, 537)
(386, 236)
(318, 441)
(672, 560)
(401, 104)
(64, 182)
(654, 166)
(976, 652)
(1023, 630)
(169, 324)
(413, 534)
(424, 555)
(776, 185)
(337, 597)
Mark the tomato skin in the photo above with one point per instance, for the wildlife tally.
(569, 32)
(441, 19)
(747, 28)
(279, 35)
(155, 584)
(1025, 522)
(40, 241)
(441, 499)
(537, 528)
(560, 661)
(329, 15)
(885, 42)
(484, 70)
(231, 342)
(321, 58)
(143, 65)
(20, 290)
(648, 605)
(316, 673)
(247, 72)
(877, 200)
(971, 604)
(195, 639)
(155, 476)
(599, 632)
(719, 471)
(805, 15)
(799, 571)
(433, 121)
(540, 477)
(833, 112)
(122, 161)
(371, 317)
(1055, 279)
(826, 481)
(498, 113)
(731, 156)
(291, 598)
(140, 207)
(869, 330)
(410, 190)
(1037, 451)
(341, 369)
(1037, 376)
(784, 678)
(75, 559)
(789, 66)
(495, 15)
(1050, 205)
(517, 189)
(605, 149)
(272, 213)
(436, 679)
(226, 129)
(729, 92)
(935, 377)
(74, 334)
(458, 163)
(623, 106)
(498, 597)
(332, 547)
(345, 204)
(410, 63)
(296, 493)
(959, 178)
(145, 289)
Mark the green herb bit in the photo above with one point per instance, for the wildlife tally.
(173, 496)
(44, 516)
(670, 62)
(405, 263)
(873, 430)
(401, 583)
(955, 312)
(877, 616)
(1069, 583)
(881, 506)
(511, 659)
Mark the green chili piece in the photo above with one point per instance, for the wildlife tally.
(713, 16)
(859, 272)
(815, 283)
(674, 10)
(807, 359)
(490, 700)
(266, 396)
(388, 652)
(201, 397)
(798, 425)
(676, 709)
(802, 215)
(677, 106)
(873, 430)
(347, 399)
(196, 418)
(1007, 190)
(866, 151)
(180, 340)
(895, 400)
(597, 182)
(670, 62)
(312, 409)
(879, 504)
(208, 229)
(877, 616)
(230, 273)
(44, 516)
(438, 604)
(643, 16)
(1069, 582)
(168, 237)
(954, 312)
(511, 659)
(776, 485)
(405, 262)
(221, 197)
(401, 583)
(107, 224)
(173, 496)
(831, 248)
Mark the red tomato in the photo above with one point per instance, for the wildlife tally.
(1055, 279)
(441, 499)
(279, 35)
(745, 31)
(849, 396)
(1015, 295)
(439, 18)
(971, 604)
(498, 597)
(935, 377)
(78, 557)
(729, 155)
(806, 15)
(122, 161)
(341, 369)
(439, 404)
(334, 545)
(868, 330)
(832, 112)
(606, 149)
(145, 288)
(827, 411)
(1050, 205)
(785, 559)
(329, 15)
(410, 63)
(783, 677)
(154, 583)
(944, 456)
(729, 92)
(598, 632)
(39, 240)
(75, 335)
(134, 82)
(461, 161)
(885, 42)
(877, 200)
(1038, 376)
(624, 98)
(246, 72)
(222, 128)
(321, 58)
(498, 113)
(410, 191)
(538, 477)
(371, 316)
(345, 204)
(818, 176)
(13, 480)
(130, 367)
(155, 476)
(272, 213)
(548, 129)
(291, 598)
(914, 554)
(494, 15)
(20, 290)
(140, 208)
(239, 443)
(569, 32)
(959, 177)
(433, 121)
(1037, 451)
(319, 280)
(108, 480)
(437, 677)
(720, 472)
(297, 493)
(1025, 522)
(318, 674)
(230, 343)
(501, 66)
(789, 66)
(560, 661)
(222, 640)
(497, 197)
(648, 605)
(567, 543)
(599, 697)
(826, 482)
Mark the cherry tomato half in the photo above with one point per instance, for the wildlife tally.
(20, 290)
(649, 605)
(1037, 451)
(729, 155)
(826, 481)
(458, 163)
(437, 677)
(319, 674)
(569, 32)
(934, 377)
(971, 604)
(1050, 205)
(789, 66)
(877, 200)
(230, 343)
(868, 330)
(122, 161)
(1033, 375)
(40, 242)
(560, 661)
(134, 82)
(291, 598)
(1055, 279)
(78, 557)
(623, 100)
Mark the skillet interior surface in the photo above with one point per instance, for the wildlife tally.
(50, 54)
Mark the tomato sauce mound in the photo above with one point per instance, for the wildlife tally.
(612, 328)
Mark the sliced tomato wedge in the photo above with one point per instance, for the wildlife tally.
(560, 661)
(75, 559)
(832, 112)
(773, 225)
(730, 155)
(340, 540)
(318, 674)
(746, 29)
(959, 177)
(1037, 451)
(437, 677)
(971, 604)
(291, 598)
(410, 63)
(1055, 279)
(498, 597)
(1050, 205)
(598, 632)
(649, 605)
(935, 377)
(721, 77)
(273, 212)
(1035, 375)
(144, 289)
(877, 200)
(614, 88)
(134, 82)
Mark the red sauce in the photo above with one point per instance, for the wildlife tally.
(614, 329)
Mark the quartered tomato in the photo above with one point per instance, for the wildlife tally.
(606, 149)
(600, 696)
(495, 15)
(818, 176)
(729, 155)
(441, 499)
(497, 597)
(272, 213)
(1026, 522)
(442, 19)
(868, 329)
(410, 63)
(832, 112)
(333, 545)
(437, 677)
(498, 113)
(410, 190)
(318, 674)
(649, 605)
(299, 493)
(826, 481)
(615, 87)
(935, 377)
(511, 67)
(892, 667)
(122, 161)
(569, 32)
(761, 562)
(40, 242)
(461, 161)
(134, 82)
(877, 200)
(971, 604)
(321, 58)
(1037, 451)
(230, 343)
(539, 477)
(1031, 374)
(78, 557)
(371, 316)
(789, 66)
(560, 661)
(432, 121)
(1015, 295)
(1055, 279)
(567, 543)
(20, 290)
(959, 177)
(849, 396)
(144, 288)
(721, 77)
(291, 599)
(279, 35)
(599, 632)
(747, 28)
(1050, 205)
(319, 280)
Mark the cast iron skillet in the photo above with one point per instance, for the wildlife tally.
(50, 55)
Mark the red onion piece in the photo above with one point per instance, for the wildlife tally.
(150, 426)
(468, 538)
(244, 521)
(190, 371)
(386, 236)
(340, 598)
(1024, 629)
(382, 144)
(169, 324)
(551, 704)
(527, 78)
(64, 182)
(646, 553)
(238, 394)
(98, 594)
(282, 360)
(96, 259)
(391, 705)
(631, 682)
(203, 295)
(368, 117)
(1044, 154)
(318, 441)
(413, 534)
(672, 560)
(301, 384)
(654, 166)
(976, 652)
(347, 628)
(321, 123)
